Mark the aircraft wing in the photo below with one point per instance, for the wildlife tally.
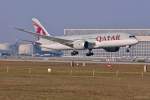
(58, 40)
(38, 44)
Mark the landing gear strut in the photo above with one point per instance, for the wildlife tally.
(90, 53)
(73, 53)
(128, 48)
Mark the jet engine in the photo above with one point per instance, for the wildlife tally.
(81, 44)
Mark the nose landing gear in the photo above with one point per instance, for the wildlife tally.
(128, 48)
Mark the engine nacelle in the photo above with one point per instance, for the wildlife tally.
(111, 49)
(81, 44)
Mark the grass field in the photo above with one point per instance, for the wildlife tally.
(31, 81)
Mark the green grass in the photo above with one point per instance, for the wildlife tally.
(31, 81)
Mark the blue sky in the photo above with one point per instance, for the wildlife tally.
(59, 14)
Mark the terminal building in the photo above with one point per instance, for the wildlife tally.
(139, 51)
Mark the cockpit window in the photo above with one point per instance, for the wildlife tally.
(132, 36)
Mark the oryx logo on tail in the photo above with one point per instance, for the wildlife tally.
(38, 27)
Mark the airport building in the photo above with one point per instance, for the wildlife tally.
(33, 49)
(140, 51)
(23, 48)
(5, 49)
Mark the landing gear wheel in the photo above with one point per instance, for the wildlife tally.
(127, 50)
(73, 53)
(90, 53)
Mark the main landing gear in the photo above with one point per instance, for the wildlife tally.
(73, 53)
(90, 53)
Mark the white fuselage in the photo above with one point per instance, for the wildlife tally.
(100, 40)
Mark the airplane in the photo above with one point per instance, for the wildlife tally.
(110, 42)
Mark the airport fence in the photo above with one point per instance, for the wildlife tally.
(71, 72)
(75, 69)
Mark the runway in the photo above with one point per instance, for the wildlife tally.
(71, 59)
